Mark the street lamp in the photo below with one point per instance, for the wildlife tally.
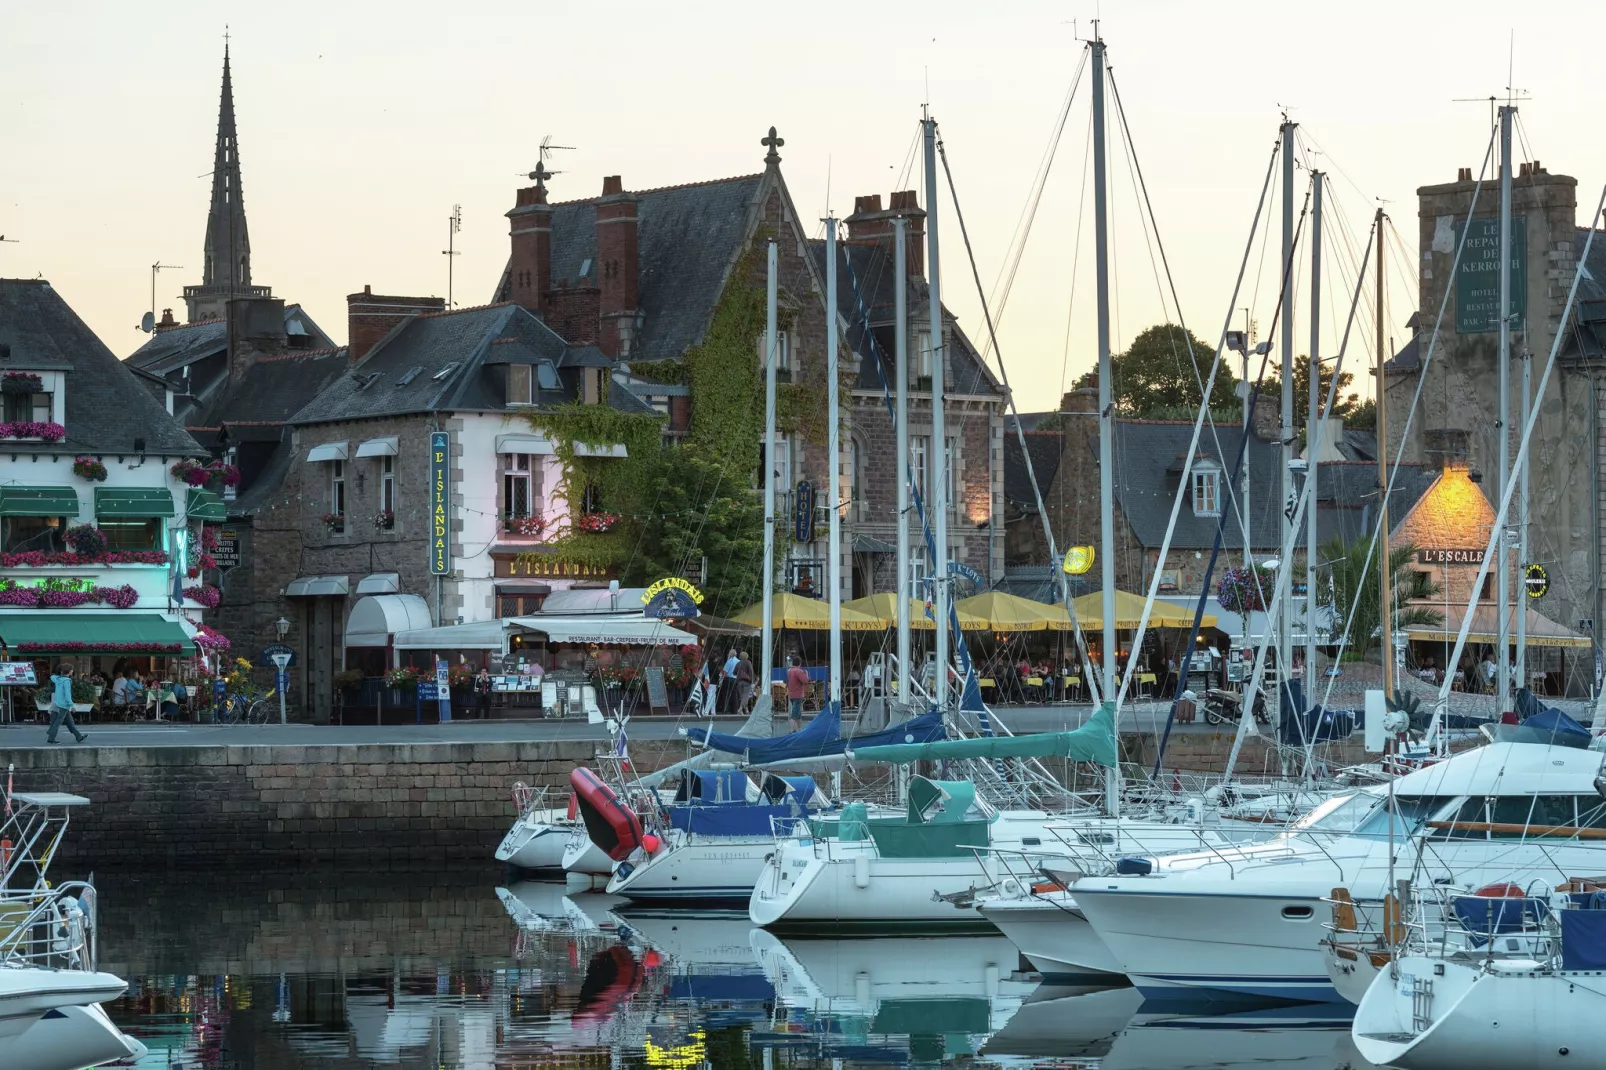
(282, 626)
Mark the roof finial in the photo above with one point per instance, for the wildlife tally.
(774, 142)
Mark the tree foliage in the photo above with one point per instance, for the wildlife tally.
(1353, 593)
(1162, 371)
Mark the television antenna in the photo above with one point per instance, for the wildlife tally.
(454, 224)
(541, 174)
(147, 322)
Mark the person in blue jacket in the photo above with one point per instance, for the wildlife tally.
(61, 705)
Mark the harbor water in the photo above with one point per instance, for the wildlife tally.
(474, 970)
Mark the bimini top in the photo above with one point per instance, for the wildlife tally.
(720, 787)
(799, 789)
(1508, 769)
(945, 802)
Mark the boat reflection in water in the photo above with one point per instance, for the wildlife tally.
(452, 972)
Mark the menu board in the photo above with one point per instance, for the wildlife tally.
(657, 694)
(14, 673)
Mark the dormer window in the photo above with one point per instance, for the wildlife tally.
(518, 384)
(27, 398)
(1207, 489)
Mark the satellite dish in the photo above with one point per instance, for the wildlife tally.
(147, 322)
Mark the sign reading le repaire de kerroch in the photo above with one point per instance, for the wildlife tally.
(440, 500)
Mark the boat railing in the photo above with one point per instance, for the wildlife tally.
(53, 932)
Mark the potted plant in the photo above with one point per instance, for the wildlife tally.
(348, 682)
(86, 540)
(189, 472)
(459, 677)
(596, 523)
(335, 522)
(89, 469)
(524, 525)
(384, 520)
(225, 474)
(403, 682)
(21, 383)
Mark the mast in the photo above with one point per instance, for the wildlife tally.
(1313, 430)
(900, 229)
(1284, 615)
(1386, 605)
(767, 629)
(1503, 561)
(937, 463)
(1101, 240)
(834, 467)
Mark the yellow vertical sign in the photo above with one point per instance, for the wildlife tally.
(440, 526)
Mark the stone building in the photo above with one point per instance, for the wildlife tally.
(1457, 420)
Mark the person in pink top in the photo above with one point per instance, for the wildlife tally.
(797, 685)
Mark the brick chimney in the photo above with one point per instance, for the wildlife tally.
(530, 263)
(618, 267)
(371, 316)
(1081, 400)
(167, 319)
(255, 329)
(872, 223)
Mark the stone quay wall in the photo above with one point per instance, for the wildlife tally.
(423, 803)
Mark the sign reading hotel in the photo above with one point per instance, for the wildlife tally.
(1445, 556)
(440, 525)
(672, 598)
(1477, 277)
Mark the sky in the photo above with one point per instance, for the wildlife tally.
(362, 124)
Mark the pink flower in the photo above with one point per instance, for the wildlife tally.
(207, 595)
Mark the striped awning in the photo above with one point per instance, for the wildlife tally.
(133, 502)
(205, 505)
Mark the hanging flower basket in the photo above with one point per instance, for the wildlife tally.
(191, 473)
(224, 474)
(50, 432)
(596, 523)
(384, 520)
(86, 540)
(1245, 590)
(210, 540)
(335, 522)
(21, 383)
(87, 468)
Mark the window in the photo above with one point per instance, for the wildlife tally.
(1516, 818)
(518, 605)
(42, 533)
(133, 533)
(337, 493)
(950, 456)
(782, 468)
(917, 464)
(518, 384)
(1206, 490)
(518, 499)
(34, 407)
(231, 456)
(922, 368)
(387, 484)
(854, 481)
(783, 354)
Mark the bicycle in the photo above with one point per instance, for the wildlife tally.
(245, 709)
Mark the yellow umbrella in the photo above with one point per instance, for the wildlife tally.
(1000, 612)
(884, 607)
(1129, 611)
(800, 612)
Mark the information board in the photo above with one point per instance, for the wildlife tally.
(17, 673)
(227, 554)
(1477, 277)
(440, 502)
(657, 693)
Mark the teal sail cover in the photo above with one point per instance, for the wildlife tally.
(1093, 742)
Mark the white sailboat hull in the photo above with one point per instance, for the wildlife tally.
(580, 855)
(697, 869)
(28, 993)
(1510, 1015)
(1055, 937)
(855, 888)
(69, 1038)
(537, 839)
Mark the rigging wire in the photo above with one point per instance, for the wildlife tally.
(1076, 254)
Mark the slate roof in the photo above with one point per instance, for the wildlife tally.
(273, 389)
(866, 282)
(687, 238)
(1045, 448)
(172, 348)
(107, 407)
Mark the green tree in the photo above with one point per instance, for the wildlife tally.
(1161, 372)
(1353, 594)
(1345, 401)
(1364, 417)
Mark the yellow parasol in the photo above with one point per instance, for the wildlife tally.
(884, 607)
(1129, 611)
(800, 612)
(1000, 612)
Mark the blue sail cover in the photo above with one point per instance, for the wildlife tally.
(746, 820)
(819, 738)
(711, 787)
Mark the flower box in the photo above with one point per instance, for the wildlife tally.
(595, 523)
(46, 558)
(524, 525)
(335, 522)
(205, 595)
(49, 432)
(21, 383)
(384, 520)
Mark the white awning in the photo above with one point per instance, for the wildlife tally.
(523, 444)
(481, 635)
(312, 586)
(581, 449)
(375, 619)
(624, 631)
(378, 447)
(329, 451)
(380, 583)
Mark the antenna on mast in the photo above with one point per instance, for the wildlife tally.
(147, 322)
(541, 174)
(454, 224)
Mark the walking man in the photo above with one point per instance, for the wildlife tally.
(728, 679)
(61, 705)
(744, 683)
(797, 686)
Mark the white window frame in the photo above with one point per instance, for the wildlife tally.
(337, 488)
(515, 468)
(387, 483)
(783, 351)
(1206, 490)
(918, 464)
(922, 355)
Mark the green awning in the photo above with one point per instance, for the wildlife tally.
(38, 501)
(1093, 742)
(89, 632)
(204, 505)
(133, 501)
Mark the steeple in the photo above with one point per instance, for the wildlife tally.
(227, 273)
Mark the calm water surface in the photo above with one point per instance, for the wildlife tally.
(467, 970)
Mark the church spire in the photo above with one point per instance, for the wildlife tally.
(228, 244)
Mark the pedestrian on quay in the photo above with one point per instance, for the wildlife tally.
(744, 682)
(482, 694)
(728, 678)
(797, 686)
(61, 705)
